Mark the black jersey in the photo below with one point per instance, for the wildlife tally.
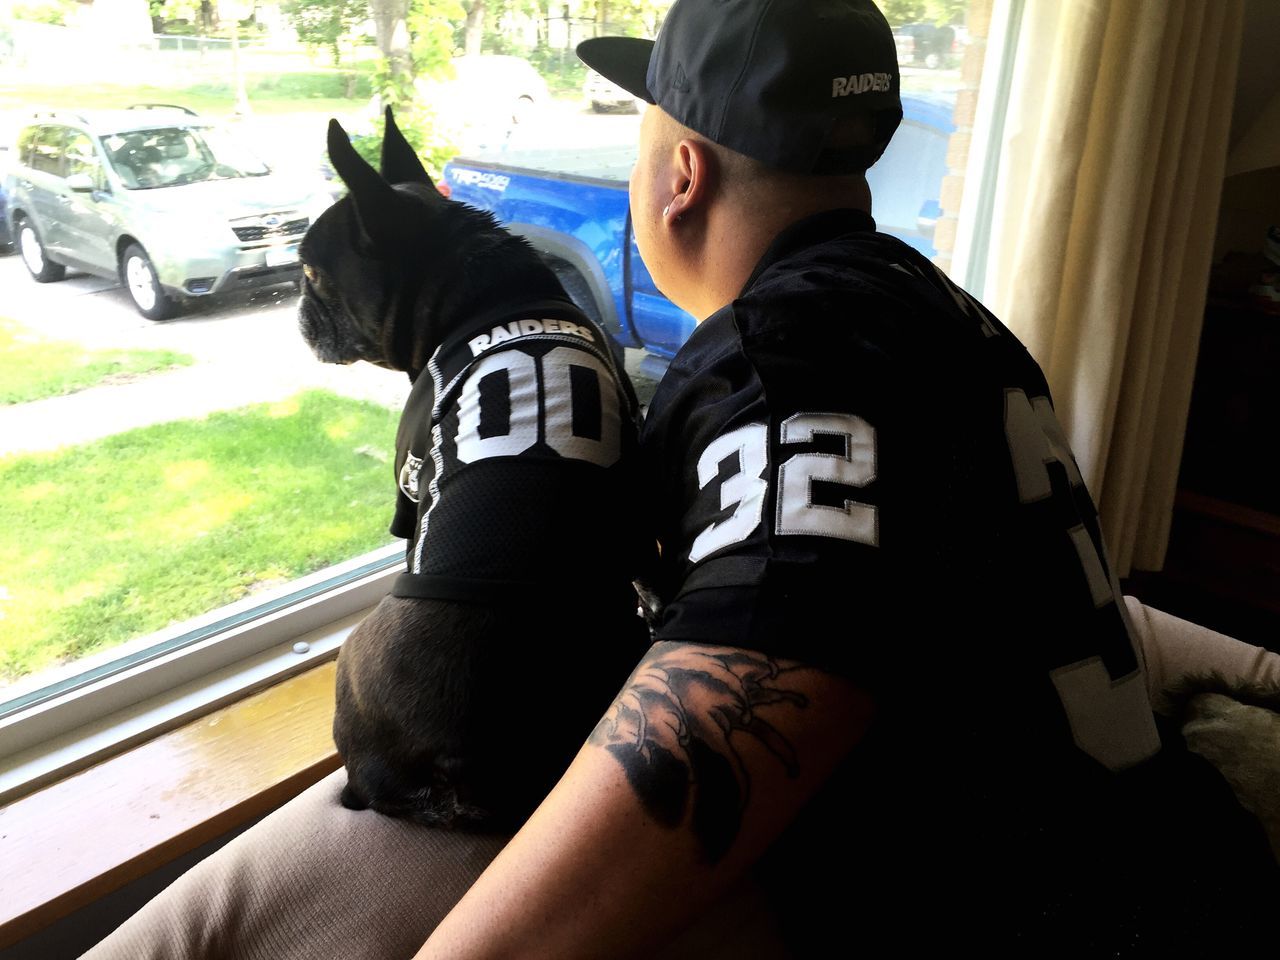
(856, 466)
(855, 436)
(515, 463)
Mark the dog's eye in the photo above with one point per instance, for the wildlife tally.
(309, 272)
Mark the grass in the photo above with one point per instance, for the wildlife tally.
(121, 537)
(32, 368)
(269, 93)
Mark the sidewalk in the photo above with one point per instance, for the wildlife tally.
(187, 393)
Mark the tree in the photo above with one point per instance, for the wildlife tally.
(416, 40)
(391, 28)
(945, 12)
(941, 12)
(431, 32)
(329, 24)
(639, 18)
(475, 28)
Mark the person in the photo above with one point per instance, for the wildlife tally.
(893, 674)
(894, 703)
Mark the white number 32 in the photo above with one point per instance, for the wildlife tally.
(744, 489)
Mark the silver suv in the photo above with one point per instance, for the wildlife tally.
(165, 202)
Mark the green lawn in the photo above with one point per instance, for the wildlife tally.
(118, 538)
(32, 368)
(269, 93)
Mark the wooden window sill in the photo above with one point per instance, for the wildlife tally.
(76, 840)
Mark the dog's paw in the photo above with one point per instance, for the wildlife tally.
(351, 799)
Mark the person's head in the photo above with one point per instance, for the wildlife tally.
(765, 111)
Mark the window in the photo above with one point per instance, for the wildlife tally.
(81, 156)
(46, 153)
(26, 145)
(179, 475)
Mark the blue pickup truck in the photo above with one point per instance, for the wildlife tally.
(572, 206)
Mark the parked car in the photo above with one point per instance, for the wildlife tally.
(605, 95)
(6, 235)
(926, 45)
(571, 204)
(481, 90)
(168, 203)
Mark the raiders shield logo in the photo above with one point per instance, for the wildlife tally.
(409, 476)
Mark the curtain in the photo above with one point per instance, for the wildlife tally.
(1111, 170)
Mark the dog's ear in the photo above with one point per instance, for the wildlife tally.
(376, 203)
(400, 164)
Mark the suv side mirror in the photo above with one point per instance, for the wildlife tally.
(81, 183)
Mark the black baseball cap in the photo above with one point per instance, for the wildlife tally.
(767, 78)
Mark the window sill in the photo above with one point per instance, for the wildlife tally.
(50, 740)
(85, 836)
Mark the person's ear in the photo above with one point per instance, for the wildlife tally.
(690, 181)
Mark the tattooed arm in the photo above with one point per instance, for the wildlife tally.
(703, 758)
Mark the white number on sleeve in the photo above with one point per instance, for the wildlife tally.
(555, 411)
(522, 402)
(1110, 717)
(744, 490)
(856, 467)
(557, 384)
(1036, 439)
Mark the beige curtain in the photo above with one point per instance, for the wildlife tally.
(1110, 175)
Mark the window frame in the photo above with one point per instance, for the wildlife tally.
(104, 709)
(969, 259)
(71, 724)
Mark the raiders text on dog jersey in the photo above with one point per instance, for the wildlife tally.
(508, 457)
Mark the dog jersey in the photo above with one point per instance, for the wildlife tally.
(857, 467)
(515, 463)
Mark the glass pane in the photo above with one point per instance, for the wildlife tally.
(81, 155)
(941, 63)
(173, 455)
(169, 444)
(46, 156)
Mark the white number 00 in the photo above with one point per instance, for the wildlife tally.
(744, 490)
(554, 407)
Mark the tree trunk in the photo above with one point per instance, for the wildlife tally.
(391, 28)
(242, 97)
(474, 29)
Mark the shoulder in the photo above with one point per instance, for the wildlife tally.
(862, 271)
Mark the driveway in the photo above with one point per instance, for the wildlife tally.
(247, 350)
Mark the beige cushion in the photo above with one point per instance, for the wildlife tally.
(315, 880)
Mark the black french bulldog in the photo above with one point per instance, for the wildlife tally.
(464, 694)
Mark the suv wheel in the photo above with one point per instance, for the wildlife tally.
(42, 268)
(139, 278)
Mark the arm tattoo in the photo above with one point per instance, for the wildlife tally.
(671, 729)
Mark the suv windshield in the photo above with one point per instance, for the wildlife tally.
(172, 156)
